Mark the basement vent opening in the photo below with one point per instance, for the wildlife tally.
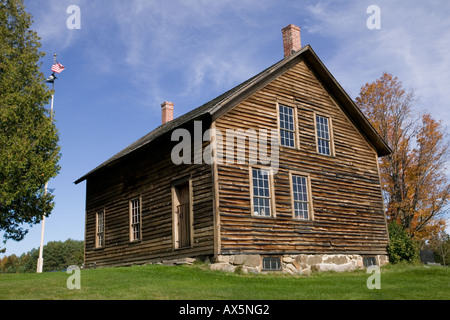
(369, 261)
(271, 264)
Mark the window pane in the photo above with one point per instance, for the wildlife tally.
(135, 219)
(261, 206)
(369, 261)
(271, 263)
(136, 231)
(286, 126)
(323, 135)
(301, 210)
(100, 228)
(261, 193)
(324, 147)
(300, 193)
(287, 138)
(322, 127)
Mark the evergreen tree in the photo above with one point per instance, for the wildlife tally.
(57, 256)
(29, 151)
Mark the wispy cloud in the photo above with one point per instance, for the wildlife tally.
(50, 21)
(187, 40)
(194, 44)
(154, 41)
(411, 44)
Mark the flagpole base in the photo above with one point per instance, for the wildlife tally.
(40, 263)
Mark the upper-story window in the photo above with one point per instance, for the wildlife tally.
(287, 126)
(323, 135)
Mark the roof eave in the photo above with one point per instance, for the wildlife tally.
(158, 132)
(308, 54)
(217, 108)
(362, 122)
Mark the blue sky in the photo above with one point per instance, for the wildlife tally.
(130, 56)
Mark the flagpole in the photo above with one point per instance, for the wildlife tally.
(40, 262)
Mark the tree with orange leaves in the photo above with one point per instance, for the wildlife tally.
(413, 176)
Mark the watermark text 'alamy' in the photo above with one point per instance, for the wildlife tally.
(229, 148)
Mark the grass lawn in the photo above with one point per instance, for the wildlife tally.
(197, 282)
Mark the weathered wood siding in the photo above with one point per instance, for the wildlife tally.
(147, 173)
(348, 214)
(347, 199)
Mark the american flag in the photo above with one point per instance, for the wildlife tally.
(58, 67)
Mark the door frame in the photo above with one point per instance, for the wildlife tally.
(175, 203)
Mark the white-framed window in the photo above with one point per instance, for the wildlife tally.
(302, 204)
(261, 192)
(100, 228)
(286, 116)
(135, 219)
(323, 135)
(301, 198)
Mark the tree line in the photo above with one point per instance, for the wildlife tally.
(57, 256)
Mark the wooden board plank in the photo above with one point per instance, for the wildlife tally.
(348, 207)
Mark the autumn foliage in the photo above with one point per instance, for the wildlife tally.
(413, 176)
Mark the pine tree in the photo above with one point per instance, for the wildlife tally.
(29, 151)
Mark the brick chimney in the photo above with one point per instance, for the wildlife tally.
(166, 112)
(291, 39)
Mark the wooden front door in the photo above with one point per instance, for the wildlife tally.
(183, 215)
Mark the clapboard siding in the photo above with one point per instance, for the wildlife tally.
(347, 199)
(348, 215)
(147, 174)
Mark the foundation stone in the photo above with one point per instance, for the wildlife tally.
(302, 264)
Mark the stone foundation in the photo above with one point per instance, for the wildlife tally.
(295, 264)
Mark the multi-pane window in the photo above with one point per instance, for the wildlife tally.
(135, 219)
(271, 263)
(100, 227)
(323, 135)
(261, 192)
(287, 127)
(369, 261)
(300, 197)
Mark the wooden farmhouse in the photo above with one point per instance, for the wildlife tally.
(297, 188)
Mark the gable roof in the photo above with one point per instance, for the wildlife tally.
(221, 104)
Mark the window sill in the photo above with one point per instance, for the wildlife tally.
(302, 220)
(182, 248)
(263, 217)
(326, 155)
(288, 147)
(271, 270)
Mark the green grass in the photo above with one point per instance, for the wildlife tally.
(197, 282)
